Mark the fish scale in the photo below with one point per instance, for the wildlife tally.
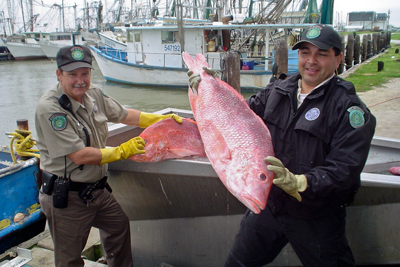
(235, 139)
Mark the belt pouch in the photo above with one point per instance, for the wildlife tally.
(47, 182)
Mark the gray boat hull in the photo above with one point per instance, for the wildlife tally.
(182, 214)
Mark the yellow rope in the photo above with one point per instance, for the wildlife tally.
(23, 145)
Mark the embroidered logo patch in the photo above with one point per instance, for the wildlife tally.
(104, 94)
(312, 114)
(313, 32)
(77, 53)
(356, 116)
(58, 121)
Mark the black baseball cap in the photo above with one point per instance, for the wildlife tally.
(74, 57)
(322, 36)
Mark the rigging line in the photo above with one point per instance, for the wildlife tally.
(384, 101)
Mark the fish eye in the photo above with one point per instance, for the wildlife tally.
(262, 177)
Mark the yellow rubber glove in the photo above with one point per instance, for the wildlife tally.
(194, 79)
(132, 147)
(147, 119)
(287, 181)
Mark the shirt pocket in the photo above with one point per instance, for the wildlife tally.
(101, 123)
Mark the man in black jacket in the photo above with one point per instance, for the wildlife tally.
(321, 132)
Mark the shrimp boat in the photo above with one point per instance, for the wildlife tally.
(52, 42)
(153, 53)
(26, 46)
(181, 214)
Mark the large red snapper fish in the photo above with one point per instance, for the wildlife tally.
(168, 139)
(235, 139)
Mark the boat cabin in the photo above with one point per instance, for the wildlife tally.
(162, 44)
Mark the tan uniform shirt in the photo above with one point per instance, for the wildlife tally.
(59, 133)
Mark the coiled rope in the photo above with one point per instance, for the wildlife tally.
(23, 145)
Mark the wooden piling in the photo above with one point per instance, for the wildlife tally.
(341, 65)
(370, 53)
(349, 51)
(357, 49)
(231, 69)
(364, 48)
(375, 43)
(281, 56)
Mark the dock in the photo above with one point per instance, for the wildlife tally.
(41, 248)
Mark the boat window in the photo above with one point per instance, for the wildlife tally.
(137, 37)
(130, 36)
(37, 35)
(169, 37)
(60, 37)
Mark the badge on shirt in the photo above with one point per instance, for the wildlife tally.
(58, 121)
(356, 116)
(312, 114)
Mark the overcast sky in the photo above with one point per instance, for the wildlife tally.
(341, 9)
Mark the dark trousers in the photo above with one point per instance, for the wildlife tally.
(319, 242)
(70, 228)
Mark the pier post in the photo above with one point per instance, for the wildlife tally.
(23, 124)
(340, 69)
(231, 69)
(349, 51)
(281, 56)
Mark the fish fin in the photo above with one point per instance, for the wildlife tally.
(220, 147)
(190, 120)
(201, 60)
(222, 83)
(188, 59)
(195, 64)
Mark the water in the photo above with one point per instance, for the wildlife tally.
(22, 83)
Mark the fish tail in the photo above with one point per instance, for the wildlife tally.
(201, 60)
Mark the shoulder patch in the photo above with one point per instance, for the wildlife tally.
(104, 94)
(356, 116)
(58, 121)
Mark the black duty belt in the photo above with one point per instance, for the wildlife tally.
(48, 183)
(101, 184)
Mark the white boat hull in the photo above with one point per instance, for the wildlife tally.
(51, 49)
(21, 51)
(141, 74)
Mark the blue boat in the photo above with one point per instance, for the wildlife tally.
(21, 217)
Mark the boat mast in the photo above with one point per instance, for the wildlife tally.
(84, 15)
(23, 15)
(63, 18)
(11, 15)
(31, 15)
(75, 26)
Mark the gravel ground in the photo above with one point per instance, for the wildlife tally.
(384, 103)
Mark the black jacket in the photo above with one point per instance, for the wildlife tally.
(327, 139)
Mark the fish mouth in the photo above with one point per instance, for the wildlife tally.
(253, 204)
